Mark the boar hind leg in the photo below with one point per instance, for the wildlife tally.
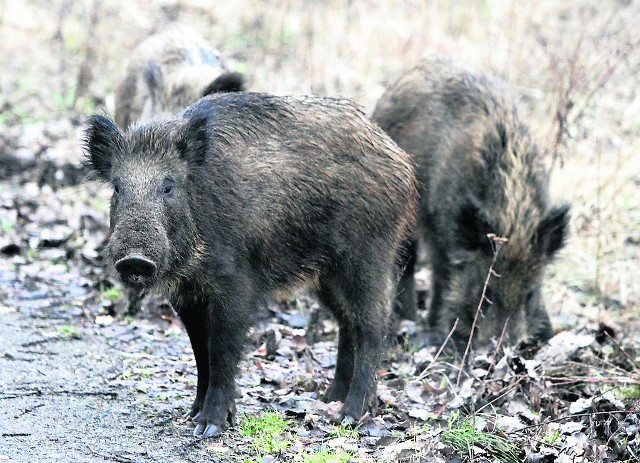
(360, 302)
(439, 284)
(405, 304)
(331, 299)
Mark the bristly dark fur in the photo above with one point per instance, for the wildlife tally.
(247, 196)
(479, 173)
(102, 142)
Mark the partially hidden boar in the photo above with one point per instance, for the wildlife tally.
(246, 196)
(479, 173)
(169, 71)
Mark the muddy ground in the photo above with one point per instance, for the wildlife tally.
(82, 381)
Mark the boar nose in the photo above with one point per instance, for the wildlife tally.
(136, 265)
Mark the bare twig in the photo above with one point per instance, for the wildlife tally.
(27, 410)
(15, 395)
(111, 457)
(565, 418)
(497, 243)
(562, 380)
(435, 358)
(37, 342)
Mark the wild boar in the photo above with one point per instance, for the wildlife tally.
(245, 196)
(167, 72)
(479, 173)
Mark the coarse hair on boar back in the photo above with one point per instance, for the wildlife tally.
(245, 196)
(167, 72)
(479, 173)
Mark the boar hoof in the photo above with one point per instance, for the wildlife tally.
(212, 421)
(345, 420)
(207, 430)
(194, 412)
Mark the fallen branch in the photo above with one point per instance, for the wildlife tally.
(27, 410)
(15, 395)
(111, 457)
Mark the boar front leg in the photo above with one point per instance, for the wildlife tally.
(217, 328)
(192, 312)
(228, 321)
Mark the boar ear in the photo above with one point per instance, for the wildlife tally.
(194, 141)
(472, 227)
(227, 82)
(553, 230)
(102, 141)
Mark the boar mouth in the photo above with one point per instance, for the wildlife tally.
(136, 270)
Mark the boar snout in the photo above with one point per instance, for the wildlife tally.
(136, 269)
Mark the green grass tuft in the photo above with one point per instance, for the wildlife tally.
(268, 430)
(464, 437)
(325, 455)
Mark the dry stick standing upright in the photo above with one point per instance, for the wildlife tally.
(245, 196)
(497, 242)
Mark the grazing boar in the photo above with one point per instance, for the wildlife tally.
(479, 173)
(169, 71)
(245, 196)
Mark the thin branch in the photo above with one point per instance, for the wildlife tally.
(435, 358)
(497, 243)
(15, 395)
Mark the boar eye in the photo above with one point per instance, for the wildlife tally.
(167, 186)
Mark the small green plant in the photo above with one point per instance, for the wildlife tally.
(145, 373)
(268, 430)
(86, 105)
(101, 205)
(31, 253)
(324, 455)
(140, 372)
(551, 438)
(112, 293)
(630, 392)
(463, 436)
(68, 331)
(7, 226)
(343, 431)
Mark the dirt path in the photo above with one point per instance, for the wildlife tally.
(63, 396)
